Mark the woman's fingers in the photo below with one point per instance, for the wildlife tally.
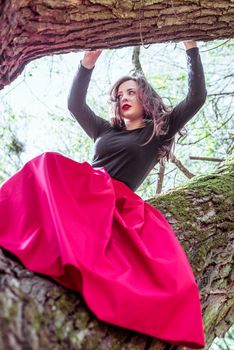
(90, 58)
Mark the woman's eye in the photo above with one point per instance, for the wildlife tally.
(131, 92)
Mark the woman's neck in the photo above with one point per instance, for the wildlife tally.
(135, 124)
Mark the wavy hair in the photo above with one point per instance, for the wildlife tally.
(154, 110)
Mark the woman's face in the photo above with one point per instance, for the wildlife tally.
(130, 107)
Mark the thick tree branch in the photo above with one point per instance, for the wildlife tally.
(136, 61)
(32, 29)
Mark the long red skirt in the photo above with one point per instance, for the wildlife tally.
(93, 234)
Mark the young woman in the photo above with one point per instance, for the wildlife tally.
(84, 226)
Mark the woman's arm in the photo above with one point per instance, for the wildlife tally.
(89, 121)
(196, 95)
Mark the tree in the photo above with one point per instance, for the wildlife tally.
(38, 314)
(32, 29)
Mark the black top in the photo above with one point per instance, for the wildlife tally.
(121, 152)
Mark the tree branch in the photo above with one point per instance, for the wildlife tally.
(136, 62)
(180, 166)
(211, 159)
(30, 29)
(160, 178)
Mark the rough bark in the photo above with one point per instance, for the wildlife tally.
(35, 28)
(36, 313)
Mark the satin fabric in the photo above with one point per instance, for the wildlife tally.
(93, 234)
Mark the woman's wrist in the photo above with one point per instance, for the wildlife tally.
(189, 44)
(86, 64)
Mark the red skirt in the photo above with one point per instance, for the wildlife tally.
(93, 234)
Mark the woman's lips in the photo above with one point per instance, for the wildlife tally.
(125, 107)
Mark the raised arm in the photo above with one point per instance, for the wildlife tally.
(89, 121)
(196, 95)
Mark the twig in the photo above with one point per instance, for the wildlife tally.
(215, 47)
(221, 94)
(160, 179)
(182, 168)
(210, 159)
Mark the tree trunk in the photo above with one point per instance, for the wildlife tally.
(36, 313)
(35, 28)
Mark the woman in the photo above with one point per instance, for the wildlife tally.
(85, 227)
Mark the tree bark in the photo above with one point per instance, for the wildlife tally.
(34, 28)
(36, 313)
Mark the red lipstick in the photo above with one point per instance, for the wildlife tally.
(126, 106)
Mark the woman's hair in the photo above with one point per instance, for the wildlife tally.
(154, 110)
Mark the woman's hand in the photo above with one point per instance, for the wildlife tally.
(189, 44)
(90, 58)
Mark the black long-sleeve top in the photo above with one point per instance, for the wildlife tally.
(121, 152)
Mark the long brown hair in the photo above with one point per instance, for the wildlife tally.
(154, 110)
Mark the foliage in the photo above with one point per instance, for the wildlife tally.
(11, 144)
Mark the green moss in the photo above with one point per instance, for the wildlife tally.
(228, 165)
(203, 206)
(226, 307)
(12, 311)
(225, 270)
(8, 307)
(37, 321)
(66, 303)
(216, 183)
(181, 202)
(76, 339)
(215, 313)
(59, 328)
(177, 203)
(82, 319)
(211, 313)
(92, 342)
